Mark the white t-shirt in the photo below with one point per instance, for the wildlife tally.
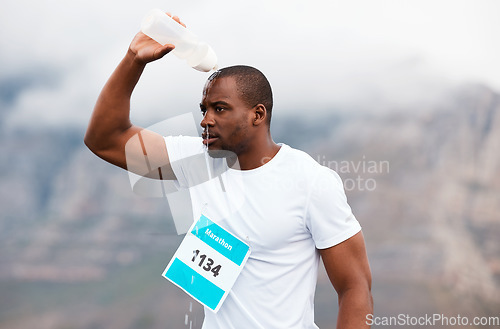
(284, 210)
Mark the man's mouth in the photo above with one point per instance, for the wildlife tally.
(208, 141)
(208, 138)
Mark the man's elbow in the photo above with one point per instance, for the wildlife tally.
(90, 141)
(360, 295)
(365, 293)
(370, 301)
(364, 296)
(94, 143)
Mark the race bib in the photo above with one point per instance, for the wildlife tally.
(207, 263)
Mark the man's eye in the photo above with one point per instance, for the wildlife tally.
(219, 109)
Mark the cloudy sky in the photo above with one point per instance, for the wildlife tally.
(319, 55)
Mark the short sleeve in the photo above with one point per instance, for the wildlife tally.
(329, 217)
(187, 158)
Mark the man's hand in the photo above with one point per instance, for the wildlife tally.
(145, 50)
(110, 134)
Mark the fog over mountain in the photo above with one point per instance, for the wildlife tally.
(422, 183)
(401, 98)
(318, 55)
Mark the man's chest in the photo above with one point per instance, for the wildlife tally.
(267, 217)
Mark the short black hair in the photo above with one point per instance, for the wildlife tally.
(252, 84)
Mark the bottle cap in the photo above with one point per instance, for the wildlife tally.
(203, 58)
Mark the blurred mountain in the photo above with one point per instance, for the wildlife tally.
(429, 202)
(80, 250)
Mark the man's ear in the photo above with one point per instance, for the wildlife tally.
(260, 115)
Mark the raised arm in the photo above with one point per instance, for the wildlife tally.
(110, 134)
(348, 269)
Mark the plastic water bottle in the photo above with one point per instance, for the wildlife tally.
(163, 29)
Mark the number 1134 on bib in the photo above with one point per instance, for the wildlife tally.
(207, 263)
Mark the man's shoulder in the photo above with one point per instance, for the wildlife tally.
(184, 139)
(183, 146)
(300, 157)
(305, 164)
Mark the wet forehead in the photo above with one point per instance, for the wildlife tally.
(220, 89)
(209, 83)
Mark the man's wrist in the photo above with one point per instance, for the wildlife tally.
(132, 58)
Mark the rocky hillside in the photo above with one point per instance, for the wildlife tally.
(80, 250)
(433, 220)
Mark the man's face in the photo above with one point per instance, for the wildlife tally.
(227, 118)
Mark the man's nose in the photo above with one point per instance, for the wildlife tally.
(207, 120)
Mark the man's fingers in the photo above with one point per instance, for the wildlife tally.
(178, 20)
(160, 52)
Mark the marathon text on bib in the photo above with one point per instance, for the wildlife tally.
(207, 263)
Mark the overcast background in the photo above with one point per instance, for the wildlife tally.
(317, 54)
(410, 83)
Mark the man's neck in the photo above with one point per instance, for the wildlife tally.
(259, 154)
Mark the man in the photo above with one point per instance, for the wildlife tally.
(283, 204)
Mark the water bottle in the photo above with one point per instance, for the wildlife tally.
(163, 29)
